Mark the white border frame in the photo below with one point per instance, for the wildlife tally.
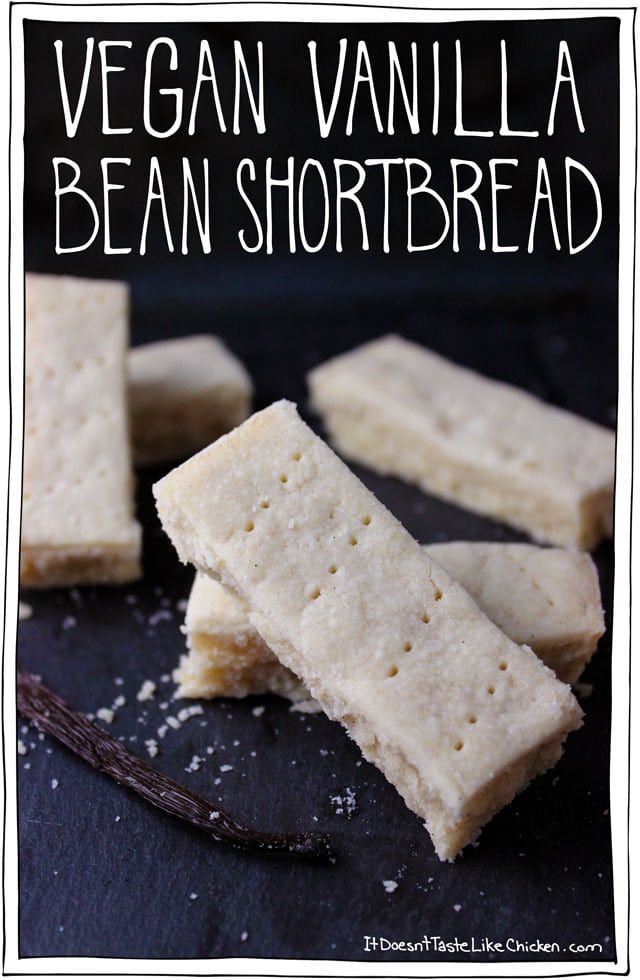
(625, 533)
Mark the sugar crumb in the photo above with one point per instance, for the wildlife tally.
(389, 886)
(147, 691)
(344, 802)
(185, 713)
(160, 616)
(25, 611)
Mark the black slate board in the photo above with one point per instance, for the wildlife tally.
(101, 874)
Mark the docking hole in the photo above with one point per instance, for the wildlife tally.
(491, 689)
(283, 478)
(315, 594)
(264, 504)
(425, 617)
(332, 569)
(249, 526)
(437, 595)
(472, 719)
(393, 670)
(459, 745)
(502, 666)
(353, 540)
(408, 647)
(296, 457)
(366, 520)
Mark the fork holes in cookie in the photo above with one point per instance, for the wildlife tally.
(458, 746)
(425, 618)
(472, 719)
(408, 647)
(315, 594)
(353, 540)
(491, 689)
(265, 504)
(393, 670)
(296, 457)
(366, 520)
(283, 478)
(502, 666)
(333, 569)
(249, 526)
(437, 595)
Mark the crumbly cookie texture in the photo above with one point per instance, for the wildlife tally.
(403, 410)
(457, 716)
(183, 394)
(226, 656)
(548, 598)
(77, 504)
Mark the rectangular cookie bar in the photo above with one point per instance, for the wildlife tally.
(77, 501)
(457, 716)
(183, 394)
(402, 410)
(227, 657)
(548, 598)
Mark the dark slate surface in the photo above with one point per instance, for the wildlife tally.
(101, 874)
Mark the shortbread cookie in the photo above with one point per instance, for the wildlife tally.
(403, 410)
(77, 502)
(227, 656)
(457, 716)
(548, 598)
(183, 394)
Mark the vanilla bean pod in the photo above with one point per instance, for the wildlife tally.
(105, 753)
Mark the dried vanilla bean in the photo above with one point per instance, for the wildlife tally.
(105, 753)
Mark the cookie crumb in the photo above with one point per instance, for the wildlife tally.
(25, 611)
(147, 691)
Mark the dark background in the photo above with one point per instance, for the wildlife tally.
(92, 884)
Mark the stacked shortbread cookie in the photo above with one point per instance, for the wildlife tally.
(546, 598)
(457, 715)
